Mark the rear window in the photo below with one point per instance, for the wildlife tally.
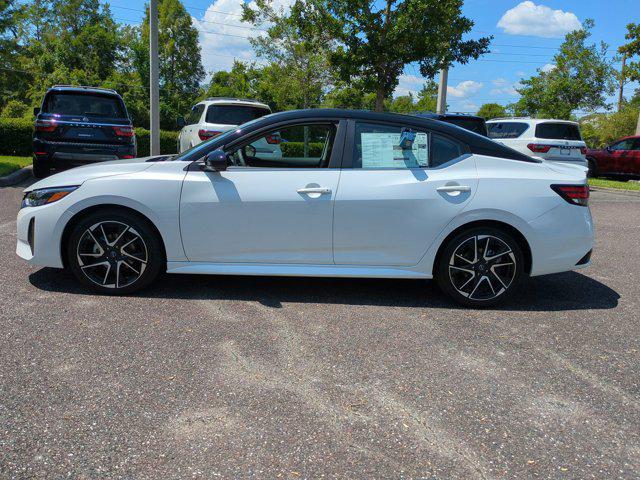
(475, 125)
(84, 104)
(234, 114)
(506, 129)
(558, 131)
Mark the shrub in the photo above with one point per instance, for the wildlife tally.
(16, 137)
(168, 141)
(296, 149)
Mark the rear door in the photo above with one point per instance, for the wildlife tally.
(395, 198)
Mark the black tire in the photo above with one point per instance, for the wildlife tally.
(453, 273)
(41, 168)
(122, 251)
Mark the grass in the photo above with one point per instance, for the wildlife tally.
(11, 164)
(606, 183)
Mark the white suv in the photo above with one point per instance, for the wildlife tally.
(552, 140)
(213, 116)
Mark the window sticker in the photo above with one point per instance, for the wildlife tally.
(383, 150)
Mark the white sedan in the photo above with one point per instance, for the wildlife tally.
(355, 194)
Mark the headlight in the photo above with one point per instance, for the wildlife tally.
(43, 196)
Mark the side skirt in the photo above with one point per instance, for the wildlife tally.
(352, 271)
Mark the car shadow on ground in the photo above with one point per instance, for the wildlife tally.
(565, 291)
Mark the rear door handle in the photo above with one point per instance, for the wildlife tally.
(453, 188)
(319, 190)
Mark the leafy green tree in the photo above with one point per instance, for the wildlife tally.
(632, 51)
(238, 82)
(181, 69)
(581, 80)
(295, 50)
(374, 44)
(492, 110)
(427, 97)
(403, 104)
(10, 13)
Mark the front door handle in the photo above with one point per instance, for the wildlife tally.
(454, 188)
(320, 190)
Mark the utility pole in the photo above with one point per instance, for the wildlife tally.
(154, 89)
(624, 62)
(441, 105)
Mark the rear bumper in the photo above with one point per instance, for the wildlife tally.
(73, 154)
(563, 240)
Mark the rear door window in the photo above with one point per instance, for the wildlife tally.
(558, 131)
(196, 113)
(234, 114)
(506, 129)
(84, 104)
(476, 125)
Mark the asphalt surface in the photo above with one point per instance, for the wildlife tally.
(240, 377)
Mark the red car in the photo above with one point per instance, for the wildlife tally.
(622, 157)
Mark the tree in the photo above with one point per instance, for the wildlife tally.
(181, 69)
(298, 73)
(581, 80)
(239, 82)
(632, 50)
(10, 13)
(374, 44)
(492, 110)
(428, 97)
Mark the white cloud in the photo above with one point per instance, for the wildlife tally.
(464, 89)
(527, 18)
(409, 84)
(502, 87)
(224, 37)
(548, 67)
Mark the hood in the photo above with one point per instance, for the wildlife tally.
(79, 175)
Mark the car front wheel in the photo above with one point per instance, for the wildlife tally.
(114, 252)
(480, 267)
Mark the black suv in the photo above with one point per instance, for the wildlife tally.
(472, 123)
(80, 125)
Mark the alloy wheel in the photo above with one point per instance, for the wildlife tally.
(112, 254)
(482, 267)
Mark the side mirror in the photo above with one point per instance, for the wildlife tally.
(181, 122)
(216, 161)
(36, 111)
(608, 148)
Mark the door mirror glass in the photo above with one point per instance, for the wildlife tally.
(181, 122)
(216, 161)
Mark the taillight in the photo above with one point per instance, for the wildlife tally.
(124, 131)
(273, 139)
(45, 125)
(574, 194)
(583, 150)
(537, 148)
(127, 156)
(207, 134)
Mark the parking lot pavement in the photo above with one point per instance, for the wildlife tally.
(235, 377)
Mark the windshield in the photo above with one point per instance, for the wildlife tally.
(234, 114)
(84, 104)
(558, 131)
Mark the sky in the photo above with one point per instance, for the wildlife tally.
(526, 35)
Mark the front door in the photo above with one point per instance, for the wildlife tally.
(397, 196)
(272, 208)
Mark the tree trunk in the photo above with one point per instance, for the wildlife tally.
(638, 125)
(379, 99)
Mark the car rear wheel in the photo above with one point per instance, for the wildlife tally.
(592, 172)
(114, 252)
(480, 267)
(41, 168)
